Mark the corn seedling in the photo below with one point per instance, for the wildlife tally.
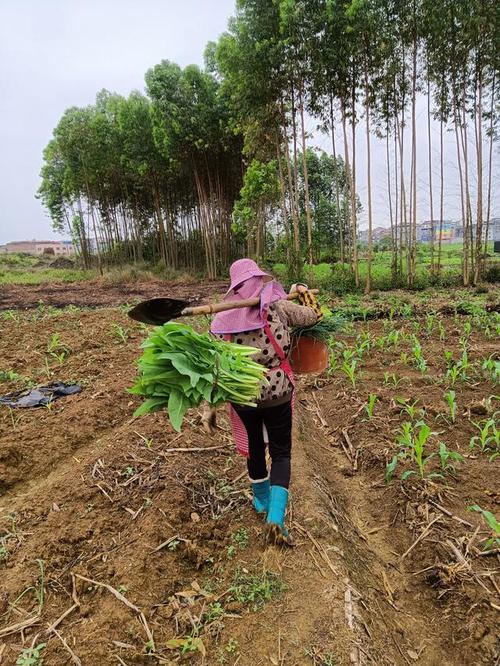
(404, 358)
(446, 457)
(362, 345)
(416, 327)
(349, 369)
(418, 357)
(392, 338)
(413, 441)
(370, 405)
(488, 439)
(490, 366)
(404, 438)
(491, 521)
(333, 363)
(31, 656)
(391, 379)
(409, 408)
(430, 322)
(449, 396)
(442, 332)
(54, 346)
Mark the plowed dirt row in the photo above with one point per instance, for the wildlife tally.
(91, 497)
(93, 293)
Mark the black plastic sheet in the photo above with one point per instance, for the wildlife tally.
(39, 396)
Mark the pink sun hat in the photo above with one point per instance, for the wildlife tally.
(247, 281)
(242, 270)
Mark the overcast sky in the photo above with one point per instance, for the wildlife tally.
(59, 53)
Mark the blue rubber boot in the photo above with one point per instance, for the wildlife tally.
(276, 531)
(260, 492)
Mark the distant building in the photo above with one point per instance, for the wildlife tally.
(39, 247)
(377, 234)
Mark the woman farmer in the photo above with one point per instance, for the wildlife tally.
(266, 327)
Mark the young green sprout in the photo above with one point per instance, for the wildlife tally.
(491, 521)
(349, 369)
(410, 408)
(491, 367)
(449, 396)
(391, 379)
(418, 357)
(370, 405)
(488, 439)
(413, 442)
(446, 456)
(120, 333)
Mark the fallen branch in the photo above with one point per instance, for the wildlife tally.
(165, 543)
(195, 449)
(73, 656)
(19, 626)
(52, 627)
(353, 452)
(449, 513)
(419, 539)
(320, 549)
(128, 603)
(349, 608)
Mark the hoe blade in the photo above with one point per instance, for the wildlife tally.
(157, 311)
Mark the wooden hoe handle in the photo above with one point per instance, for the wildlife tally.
(212, 308)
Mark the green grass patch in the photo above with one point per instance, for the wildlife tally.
(23, 276)
(256, 589)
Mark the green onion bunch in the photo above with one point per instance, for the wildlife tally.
(180, 368)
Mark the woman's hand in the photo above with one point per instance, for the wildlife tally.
(299, 287)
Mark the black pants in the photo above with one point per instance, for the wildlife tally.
(278, 422)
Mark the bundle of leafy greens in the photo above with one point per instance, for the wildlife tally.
(180, 368)
(323, 329)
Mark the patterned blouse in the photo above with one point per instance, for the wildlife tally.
(282, 315)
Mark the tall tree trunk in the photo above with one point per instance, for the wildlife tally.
(431, 197)
(389, 195)
(441, 191)
(468, 207)
(465, 261)
(478, 119)
(349, 181)
(368, 284)
(490, 160)
(307, 203)
(340, 220)
(353, 190)
(413, 252)
(396, 207)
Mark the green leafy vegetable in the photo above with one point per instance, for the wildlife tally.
(323, 329)
(180, 368)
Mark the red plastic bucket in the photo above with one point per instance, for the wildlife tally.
(308, 355)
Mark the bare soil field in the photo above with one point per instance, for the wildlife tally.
(123, 542)
(92, 293)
